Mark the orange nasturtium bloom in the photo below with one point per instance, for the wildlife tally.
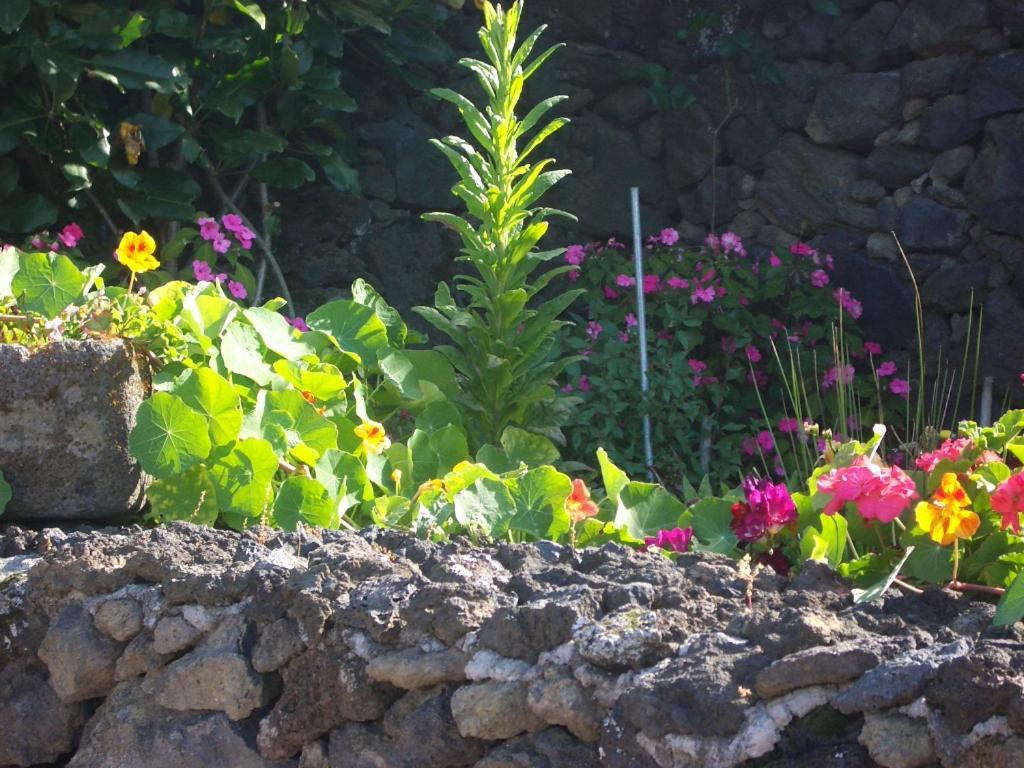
(136, 251)
(578, 503)
(375, 439)
(947, 516)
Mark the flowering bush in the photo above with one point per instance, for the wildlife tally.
(743, 348)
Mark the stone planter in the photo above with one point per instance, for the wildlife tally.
(65, 415)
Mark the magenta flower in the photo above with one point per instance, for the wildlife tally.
(575, 255)
(245, 236)
(298, 323)
(819, 278)
(802, 249)
(758, 378)
(774, 261)
(676, 540)
(697, 366)
(630, 321)
(788, 425)
(573, 275)
(567, 388)
(623, 337)
(900, 387)
(221, 244)
(732, 243)
(950, 450)
(38, 242)
(705, 295)
(652, 284)
(712, 242)
(765, 440)
(847, 302)
(668, 236)
(208, 229)
(872, 347)
(677, 283)
(610, 293)
(232, 222)
(584, 384)
(843, 374)
(594, 329)
(237, 290)
(879, 493)
(71, 235)
(625, 281)
(202, 271)
(888, 368)
(753, 353)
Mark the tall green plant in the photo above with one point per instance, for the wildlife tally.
(503, 334)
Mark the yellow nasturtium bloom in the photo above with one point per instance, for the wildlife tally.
(375, 439)
(947, 516)
(136, 251)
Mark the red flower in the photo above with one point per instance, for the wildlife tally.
(578, 503)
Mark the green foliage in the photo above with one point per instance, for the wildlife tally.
(5, 493)
(131, 109)
(502, 336)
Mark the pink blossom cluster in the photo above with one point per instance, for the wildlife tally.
(950, 450)
(847, 302)
(763, 441)
(878, 493)
(767, 510)
(727, 243)
(210, 231)
(675, 540)
(203, 272)
(838, 374)
(69, 237)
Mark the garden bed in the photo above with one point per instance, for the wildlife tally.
(185, 646)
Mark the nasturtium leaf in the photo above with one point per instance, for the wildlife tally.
(277, 334)
(438, 414)
(323, 381)
(242, 479)
(712, 526)
(367, 295)
(646, 508)
(614, 479)
(5, 493)
(1010, 609)
(46, 283)
(930, 562)
(355, 327)
(826, 541)
(303, 499)
(169, 437)
(242, 353)
(485, 506)
(392, 512)
(344, 476)
(212, 395)
(207, 315)
(526, 447)
(540, 496)
(304, 425)
(400, 373)
(186, 496)
(434, 453)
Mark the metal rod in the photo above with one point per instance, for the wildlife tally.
(986, 402)
(641, 319)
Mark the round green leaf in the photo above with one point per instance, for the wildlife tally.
(188, 496)
(646, 508)
(540, 503)
(356, 328)
(241, 480)
(169, 437)
(212, 395)
(305, 499)
(46, 283)
(486, 505)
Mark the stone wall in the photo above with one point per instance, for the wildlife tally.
(904, 115)
(185, 646)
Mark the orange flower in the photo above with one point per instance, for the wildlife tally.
(947, 516)
(578, 503)
(308, 396)
(136, 251)
(375, 439)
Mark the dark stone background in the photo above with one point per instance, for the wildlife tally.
(903, 116)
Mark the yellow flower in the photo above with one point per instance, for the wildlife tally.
(375, 439)
(430, 486)
(947, 516)
(136, 252)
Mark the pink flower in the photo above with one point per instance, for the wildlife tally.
(610, 293)
(677, 283)
(706, 295)
(753, 353)
(594, 329)
(819, 278)
(221, 244)
(623, 337)
(802, 249)
(768, 509)
(843, 374)
(888, 368)
(625, 281)
(202, 271)
(950, 450)
(232, 222)
(774, 261)
(652, 284)
(697, 366)
(712, 242)
(872, 347)
(676, 540)
(38, 243)
(573, 275)
(208, 229)
(668, 236)
(847, 302)
(1008, 501)
(765, 440)
(245, 236)
(788, 426)
(71, 235)
(584, 384)
(567, 388)
(630, 321)
(878, 493)
(237, 290)
(298, 323)
(574, 255)
(733, 243)
(900, 387)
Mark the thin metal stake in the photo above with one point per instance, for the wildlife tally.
(641, 319)
(985, 418)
